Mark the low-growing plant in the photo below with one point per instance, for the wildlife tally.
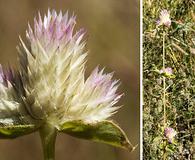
(169, 79)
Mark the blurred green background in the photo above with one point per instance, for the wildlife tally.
(112, 40)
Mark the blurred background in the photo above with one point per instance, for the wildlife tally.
(112, 40)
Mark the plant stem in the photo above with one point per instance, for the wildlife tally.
(48, 137)
(164, 94)
(164, 83)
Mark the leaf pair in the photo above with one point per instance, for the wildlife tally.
(105, 132)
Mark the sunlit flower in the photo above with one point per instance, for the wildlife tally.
(170, 134)
(164, 18)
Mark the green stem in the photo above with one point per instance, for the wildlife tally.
(48, 137)
(164, 95)
(164, 83)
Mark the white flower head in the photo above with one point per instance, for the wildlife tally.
(168, 71)
(170, 134)
(54, 66)
(164, 18)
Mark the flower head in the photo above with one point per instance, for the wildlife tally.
(164, 18)
(168, 71)
(8, 104)
(170, 134)
(55, 64)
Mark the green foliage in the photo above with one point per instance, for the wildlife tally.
(13, 131)
(180, 89)
(105, 132)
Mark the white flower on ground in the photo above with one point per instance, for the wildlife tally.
(164, 18)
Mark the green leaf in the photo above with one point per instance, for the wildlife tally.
(105, 132)
(13, 131)
(157, 140)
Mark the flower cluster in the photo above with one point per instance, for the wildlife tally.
(54, 65)
(50, 93)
